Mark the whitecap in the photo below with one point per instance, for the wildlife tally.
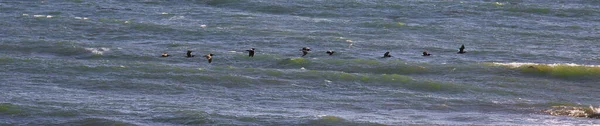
(498, 4)
(98, 51)
(81, 18)
(595, 110)
(321, 116)
(38, 16)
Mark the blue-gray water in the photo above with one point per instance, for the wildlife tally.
(83, 62)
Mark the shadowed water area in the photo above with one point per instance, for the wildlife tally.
(78, 62)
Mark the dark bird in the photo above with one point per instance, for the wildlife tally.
(426, 54)
(305, 51)
(461, 50)
(209, 57)
(250, 52)
(189, 54)
(386, 55)
(165, 54)
(330, 52)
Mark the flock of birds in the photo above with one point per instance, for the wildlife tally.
(304, 50)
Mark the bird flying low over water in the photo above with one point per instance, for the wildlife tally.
(305, 50)
(426, 54)
(189, 54)
(209, 57)
(330, 52)
(250, 52)
(386, 55)
(461, 50)
(165, 55)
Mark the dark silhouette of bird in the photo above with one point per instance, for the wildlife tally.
(189, 54)
(426, 54)
(386, 55)
(209, 57)
(330, 52)
(461, 50)
(250, 52)
(165, 55)
(305, 50)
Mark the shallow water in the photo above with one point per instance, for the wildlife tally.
(74, 62)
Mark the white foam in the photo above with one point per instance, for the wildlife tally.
(38, 16)
(498, 4)
(25, 14)
(81, 18)
(595, 110)
(203, 26)
(321, 116)
(98, 51)
(49, 16)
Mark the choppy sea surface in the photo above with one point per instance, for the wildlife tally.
(84, 62)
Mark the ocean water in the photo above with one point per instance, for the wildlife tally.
(84, 62)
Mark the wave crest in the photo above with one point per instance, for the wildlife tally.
(562, 70)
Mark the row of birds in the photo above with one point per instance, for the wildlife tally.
(304, 50)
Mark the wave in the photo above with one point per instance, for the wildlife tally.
(264, 7)
(356, 65)
(529, 10)
(186, 118)
(150, 27)
(10, 109)
(96, 122)
(265, 75)
(327, 120)
(163, 76)
(562, 70)
(384, 24)
(571, 109)
(60, 48)
(222, 2)
(518, 64)
(98, 51)
(577, 12)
